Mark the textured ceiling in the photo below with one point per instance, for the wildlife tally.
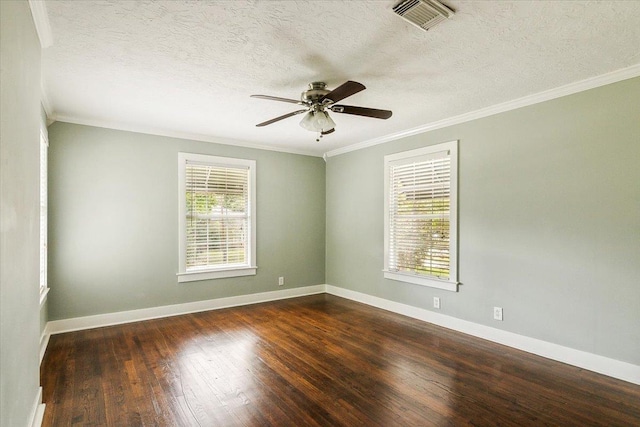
(187, 67)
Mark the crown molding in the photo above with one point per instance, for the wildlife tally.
(41, 21)
(569, 89)
(177, 134)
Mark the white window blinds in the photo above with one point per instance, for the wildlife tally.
(217, 216)
(420, 217)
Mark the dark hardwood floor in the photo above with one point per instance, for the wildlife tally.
(318, 360)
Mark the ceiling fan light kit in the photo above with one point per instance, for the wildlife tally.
(317, 121)
(318, 99)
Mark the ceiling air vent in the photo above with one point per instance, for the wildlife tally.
(423, 13)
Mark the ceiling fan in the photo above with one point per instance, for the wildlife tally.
(317, 99)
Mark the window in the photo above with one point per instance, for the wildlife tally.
(217, 211)
(420, 217)
(44, 149)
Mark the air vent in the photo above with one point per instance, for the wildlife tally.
(424, 14)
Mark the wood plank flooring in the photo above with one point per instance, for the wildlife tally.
(314, 361)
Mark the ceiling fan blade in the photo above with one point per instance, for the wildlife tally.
(277, 119)
(361, 111)
(275, 98)
(343, 91)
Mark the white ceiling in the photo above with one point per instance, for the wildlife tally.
(188, 68)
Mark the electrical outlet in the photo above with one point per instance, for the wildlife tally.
(436, 302)
(280, 281)
(497, 313)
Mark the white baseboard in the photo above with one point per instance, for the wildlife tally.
(44, 341)
(108, 319)
(37, 412)
(592, 362)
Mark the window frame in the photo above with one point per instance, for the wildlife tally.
(44, 219)
(450, 284)
(247, 269)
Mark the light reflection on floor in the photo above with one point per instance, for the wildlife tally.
(218, 369)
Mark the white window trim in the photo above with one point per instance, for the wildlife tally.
(452, 283)
(248, 269)
(43, 296)
(44, 241)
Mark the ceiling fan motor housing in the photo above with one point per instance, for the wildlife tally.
(316, 91)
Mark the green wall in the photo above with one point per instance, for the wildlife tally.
(113, 221)
(549, 221)
(549, 229)
(19, 213)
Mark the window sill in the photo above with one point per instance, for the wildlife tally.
(423, 281)
(193, 276)
(43, 296)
